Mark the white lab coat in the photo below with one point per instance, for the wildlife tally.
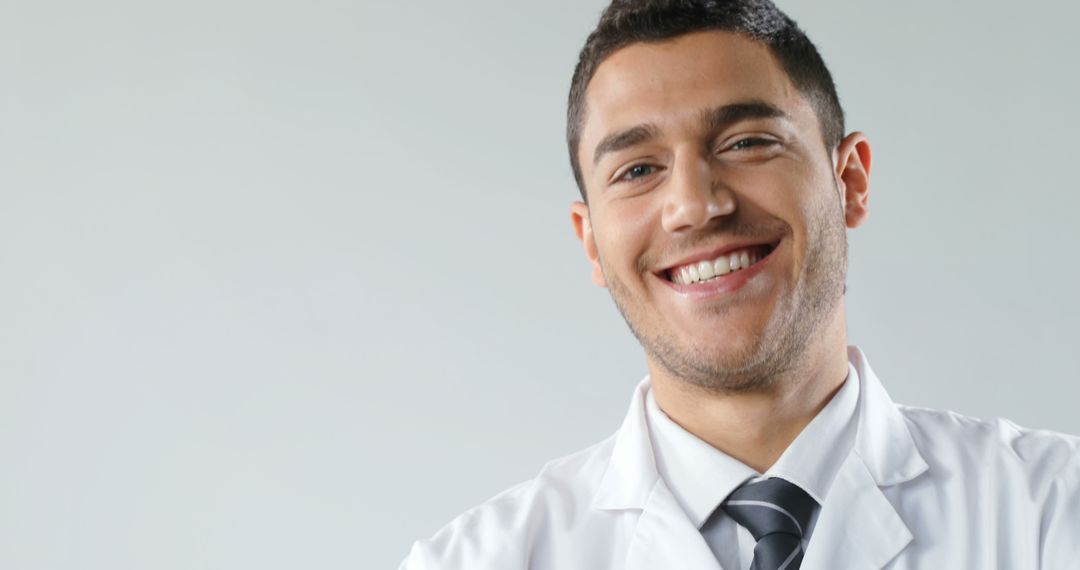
(920, 489)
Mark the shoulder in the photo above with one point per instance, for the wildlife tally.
(1031, 476)
(1025, 444)
(500, 532)
(1011, 452)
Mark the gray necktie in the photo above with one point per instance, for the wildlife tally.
(776, 512)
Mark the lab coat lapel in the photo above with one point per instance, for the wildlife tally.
(858, 527)
(663, 537)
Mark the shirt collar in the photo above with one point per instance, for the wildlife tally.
(701, 476)
(814, 458)
(698, 474)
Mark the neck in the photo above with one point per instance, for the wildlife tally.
(756, 427)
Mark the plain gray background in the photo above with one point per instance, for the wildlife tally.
(291, 284)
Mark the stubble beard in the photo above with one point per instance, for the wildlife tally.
(780, 347)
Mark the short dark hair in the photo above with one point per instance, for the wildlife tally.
(626, 22)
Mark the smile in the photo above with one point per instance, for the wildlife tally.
(711, 269)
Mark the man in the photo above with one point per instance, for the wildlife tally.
(717, 184)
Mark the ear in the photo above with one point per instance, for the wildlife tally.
(579, 215)
(853, 175)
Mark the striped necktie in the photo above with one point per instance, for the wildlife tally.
(776, 513)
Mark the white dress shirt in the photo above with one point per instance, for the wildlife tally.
(701, 476)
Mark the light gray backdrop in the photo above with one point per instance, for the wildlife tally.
(291, 284)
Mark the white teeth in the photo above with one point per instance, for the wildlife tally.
(720, 267)
(705, 270)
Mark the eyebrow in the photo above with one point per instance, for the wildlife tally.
(714, 120)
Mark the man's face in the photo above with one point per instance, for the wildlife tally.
(715, 217)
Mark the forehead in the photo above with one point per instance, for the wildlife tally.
(672, 81)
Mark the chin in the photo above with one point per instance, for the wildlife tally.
(703, 360)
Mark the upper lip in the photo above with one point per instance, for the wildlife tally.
(710, 254)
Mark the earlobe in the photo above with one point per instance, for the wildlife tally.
(579, 216)
(853, 175)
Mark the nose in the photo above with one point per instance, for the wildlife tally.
(694, 197)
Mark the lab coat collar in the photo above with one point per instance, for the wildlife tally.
(663, 537)
(857, 525)
(631, 473)
(883, 441)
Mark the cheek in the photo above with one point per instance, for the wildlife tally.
(815, 218)
(793, 194)
(779, 192)
(628, 227)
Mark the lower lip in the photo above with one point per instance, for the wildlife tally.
(724, 284)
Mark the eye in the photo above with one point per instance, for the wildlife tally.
(751, 142)
(636, 171)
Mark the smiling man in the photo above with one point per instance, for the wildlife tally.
(718, 185)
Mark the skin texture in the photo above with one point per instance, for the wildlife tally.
(745, 369)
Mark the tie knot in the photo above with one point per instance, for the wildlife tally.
(770, 506)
